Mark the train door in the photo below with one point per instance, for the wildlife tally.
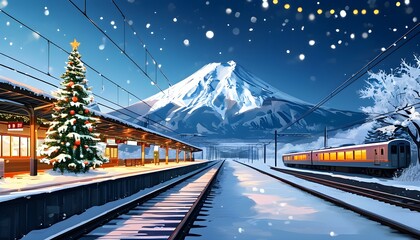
(376, 157)
(403, 155)
(394, 156)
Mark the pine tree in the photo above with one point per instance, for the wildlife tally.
(71, 143)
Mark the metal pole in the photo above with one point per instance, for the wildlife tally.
(33, 137)
(275, 148)
(265, 153)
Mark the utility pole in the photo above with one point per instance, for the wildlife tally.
(275, 148)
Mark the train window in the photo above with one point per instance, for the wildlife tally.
(349, 155)
(340, 156)
(382, 151)
(364, 154)
(393, 149)
(6, 146)
(333, 156)
(326, 156)
(358, 154)
(401, 149)
(321, 156)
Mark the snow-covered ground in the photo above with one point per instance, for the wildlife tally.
(257, 209)
(249, 205)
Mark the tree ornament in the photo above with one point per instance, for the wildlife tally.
(86, 146)
(90, 129)
(74, 99)
(71, 63)
(70, 84)
(86, 122)
(72, 112)
(77, 142)
(67, 144)
(86, 111)
(86, 163)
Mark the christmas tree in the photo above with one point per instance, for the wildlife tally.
(71, 144)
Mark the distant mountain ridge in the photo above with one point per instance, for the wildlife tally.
(226, 101)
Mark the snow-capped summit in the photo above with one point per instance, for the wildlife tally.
(226, 88)
(225, 99)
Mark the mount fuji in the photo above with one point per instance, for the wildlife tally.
(223, 100)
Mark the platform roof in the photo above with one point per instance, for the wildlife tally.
(16, 97)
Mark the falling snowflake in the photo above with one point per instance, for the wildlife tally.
(237, 14)
(148, 25)
(311, 17)
(102, 47)
(253, 19)
(228, 11)
(175, 19)
(301, 56)
(186, 42)
(343, 13)
(311, 42)
(235, 31)
(333, 46)
(46, 11)
(209, 34)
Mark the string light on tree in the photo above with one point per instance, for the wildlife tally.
(72, 126)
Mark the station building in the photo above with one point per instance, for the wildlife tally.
(23, 110)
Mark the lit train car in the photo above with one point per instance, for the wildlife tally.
(373, 158)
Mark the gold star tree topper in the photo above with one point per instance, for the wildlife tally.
(75, 44)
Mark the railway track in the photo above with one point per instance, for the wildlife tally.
(410, 203)
(166, 213)
(394, 199)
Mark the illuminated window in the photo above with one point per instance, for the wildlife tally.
(340, 156)
(6, 146)
(333, 156)
(321, 156)
(326, 156)
(15, 146)
(24, 146)
(349, 155)
(114, 153)
(107, 152)
(39, 143)
(360, 155)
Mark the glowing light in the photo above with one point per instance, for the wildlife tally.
(407, 2)
(287, 51)
(209, 34)
(319, 11)
(302, 57)
(352, 36)
(376, 11)
(364, 11)
(311, 42)
(7, 23)
(299, 9)
(397, 4)
(286, 6)
(175, 20)
(332, 11)
(275, 1)
(228, 11)
(355, 11)
(343, 13)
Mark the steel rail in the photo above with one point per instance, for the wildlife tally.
(78, 230)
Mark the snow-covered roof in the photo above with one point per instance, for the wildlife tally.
(40, 98)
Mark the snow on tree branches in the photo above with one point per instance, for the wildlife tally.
(396, 99)
(71, 143)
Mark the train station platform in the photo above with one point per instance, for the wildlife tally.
(36, 202)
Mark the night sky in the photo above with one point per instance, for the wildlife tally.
(304, 48)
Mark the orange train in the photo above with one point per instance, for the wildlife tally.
(381, 158)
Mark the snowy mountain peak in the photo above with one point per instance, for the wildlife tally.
(224, 87)
(225, 99)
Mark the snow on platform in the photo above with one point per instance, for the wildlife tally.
(49, 181)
